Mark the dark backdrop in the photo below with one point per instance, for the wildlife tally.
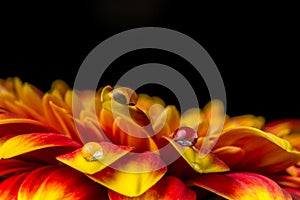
(256, 47)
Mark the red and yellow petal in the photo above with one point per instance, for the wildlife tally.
(241, 186)
(201, 164)
(9, 187)
(263, 152)
(110, 152)
(25, 143)
(10, 166)
(168, 188)
(133, 174)
(59, 183)
(13, 124)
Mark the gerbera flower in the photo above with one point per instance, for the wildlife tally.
(53, 147)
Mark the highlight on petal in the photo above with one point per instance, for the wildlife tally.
(59, 183)
(263, 152)
(241, 186)
(168, 188)
(110, 153)
(133, 174)
(25, 143)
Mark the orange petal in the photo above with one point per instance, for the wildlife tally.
(288, 129)
(25, 143)
(283, 127)
(168, 188)
(59, 183)
(245, 120)
(167, 122)
(288, 181)
(264, 152)
(231, 155)
(11, 166)
(9, 187)
(130, 134)
(110, 152)
(241, 186)
(133, 174)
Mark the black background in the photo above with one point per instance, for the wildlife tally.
(255, 47)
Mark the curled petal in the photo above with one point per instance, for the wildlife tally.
(25, 143)
(59, 183)
(110, 152)
(127, 125)
(168, 188)
(264, 152)
(207, 164)
(241, 186)
(133, 174)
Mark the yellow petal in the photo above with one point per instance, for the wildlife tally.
(133, 174)
(110, 152)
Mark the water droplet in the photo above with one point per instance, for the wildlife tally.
(119, 97)
(92, 151)
(196, 166)
(185, 136)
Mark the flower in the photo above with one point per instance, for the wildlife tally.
(116, 144)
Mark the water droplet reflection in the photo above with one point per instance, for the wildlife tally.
(92, 151)
(185, 136)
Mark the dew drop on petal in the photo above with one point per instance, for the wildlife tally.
(185, 136)
(92, 151)
(119, 97)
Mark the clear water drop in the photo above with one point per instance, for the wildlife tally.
(185, 136)
(92, 151)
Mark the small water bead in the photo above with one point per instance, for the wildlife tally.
(92, 151)
(124, 96)
(185, 136)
